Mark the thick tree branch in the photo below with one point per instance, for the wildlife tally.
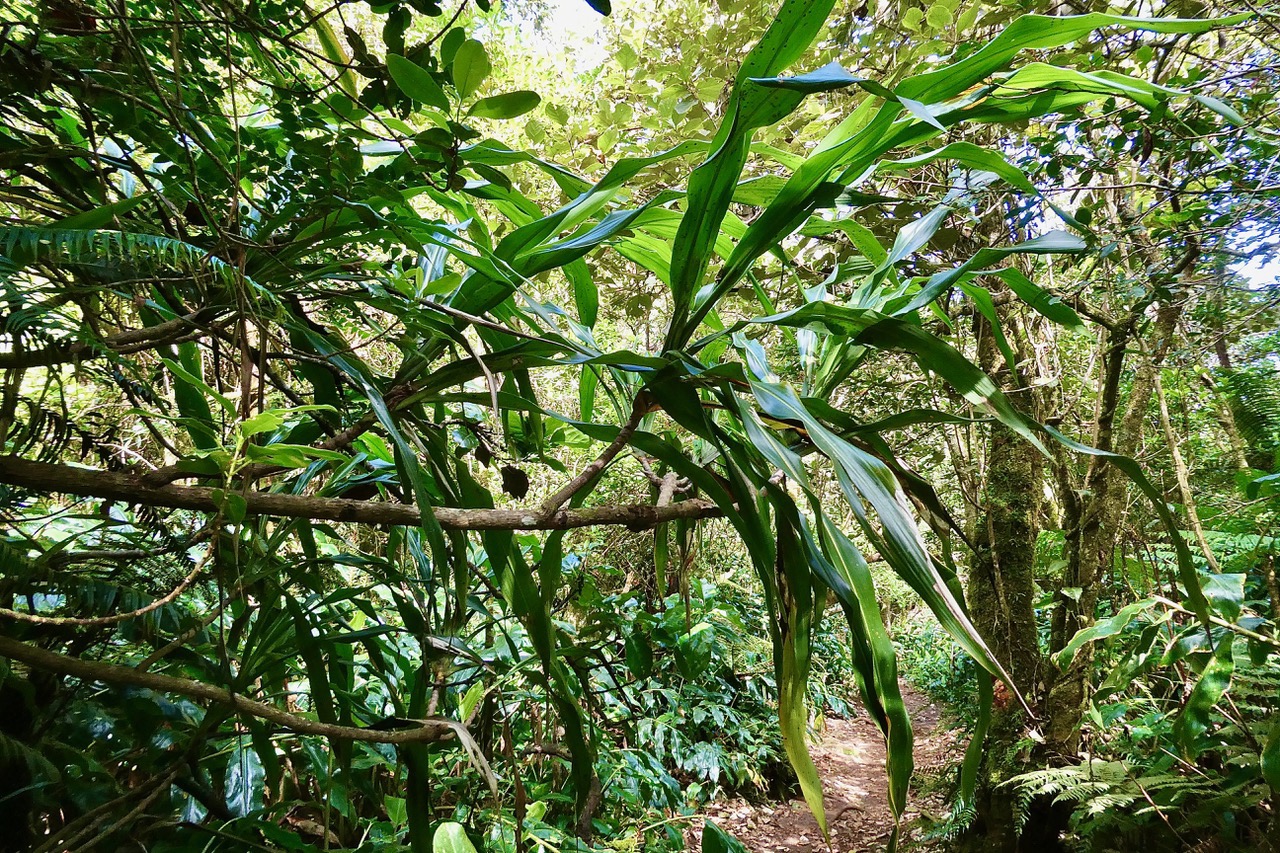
(88, 482)
(427, 731)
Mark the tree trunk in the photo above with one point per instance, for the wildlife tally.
(1002, 580)
(1094, 526)
(1002, 587)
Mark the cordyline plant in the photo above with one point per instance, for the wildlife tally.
(221, 218)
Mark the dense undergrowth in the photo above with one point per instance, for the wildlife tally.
(685, 698)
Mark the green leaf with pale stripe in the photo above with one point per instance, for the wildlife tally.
(751, 106)
(796, 602)
(862, 477)
(853, 587)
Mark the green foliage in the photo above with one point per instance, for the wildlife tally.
(1254, 397)
(1185, 728)
(298, 276)
(933, 662)
(698, 702)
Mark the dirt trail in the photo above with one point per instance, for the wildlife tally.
(850, 759)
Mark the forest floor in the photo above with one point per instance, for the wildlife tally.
(850, 759)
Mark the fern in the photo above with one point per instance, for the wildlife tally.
(18, 563)
(21, 246)
(1107, 802)
(47, 434)
(1254, 397)
(1097, 788)
(1111, 798)
(953, 825)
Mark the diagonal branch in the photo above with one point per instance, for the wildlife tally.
(128, 341)
(638, 410)
(49, 478)
(88, 670)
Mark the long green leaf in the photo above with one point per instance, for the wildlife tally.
(796, 600)
(1108, 627)
(853, 587)
(862, 477)
(890, 333)
(1270, 758)
(858, 142)
(750, 106)
(973, 753)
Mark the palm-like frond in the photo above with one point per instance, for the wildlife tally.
(21, 246)
(1254, 397)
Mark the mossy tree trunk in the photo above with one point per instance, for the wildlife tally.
(1093, 521)
(1002, 583)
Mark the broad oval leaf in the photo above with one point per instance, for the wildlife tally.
(451, 837)
(1195, 718)
(506, 105)
(416, 82)
(470, 67)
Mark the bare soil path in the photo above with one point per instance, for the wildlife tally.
(850, 759)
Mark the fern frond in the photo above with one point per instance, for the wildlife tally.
(1082, 792)
(22, 245)
(1254, 397)
(17, 562)
(953, 825)
(1104, 803)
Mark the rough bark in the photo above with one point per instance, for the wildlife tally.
(127, 488)
(1001, 588)
(1093, 528)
